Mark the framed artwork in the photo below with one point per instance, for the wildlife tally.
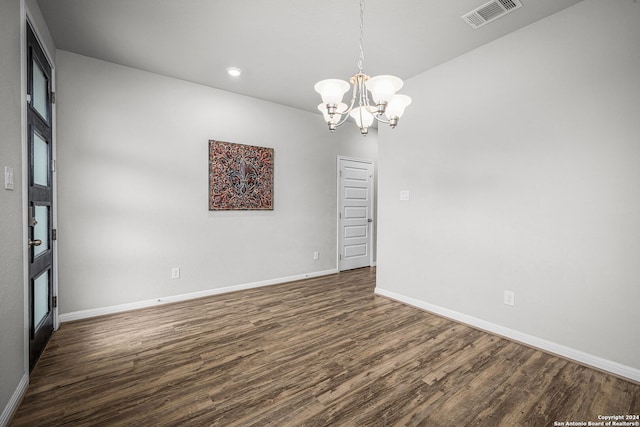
(240, 177)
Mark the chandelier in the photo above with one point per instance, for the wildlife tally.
(385, 105)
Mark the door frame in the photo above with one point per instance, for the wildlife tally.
(373, 248)
(29, 20)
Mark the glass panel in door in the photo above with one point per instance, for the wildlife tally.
(41, 229)
(40, 91)
(40, 160)
(40, 298)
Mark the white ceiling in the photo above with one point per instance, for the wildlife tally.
(283, 46)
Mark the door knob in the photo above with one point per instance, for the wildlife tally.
(36, 242)
(369, 220)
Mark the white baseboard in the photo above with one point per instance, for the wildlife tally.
(84, 314)
(581, 357)
(14, 402)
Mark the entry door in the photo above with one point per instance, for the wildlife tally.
(40, 198)
(355, 217)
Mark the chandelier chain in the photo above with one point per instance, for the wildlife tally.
(361, 60)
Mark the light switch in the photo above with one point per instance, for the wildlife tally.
(404, 195)
(8, 178)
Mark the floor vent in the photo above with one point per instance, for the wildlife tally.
(490, 11)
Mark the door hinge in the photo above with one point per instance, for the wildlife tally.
(54, 301)
(340, 257)
(340, 215)
(53, 165)
(53, 97)
(54, 234)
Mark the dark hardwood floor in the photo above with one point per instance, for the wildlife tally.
(318, 352)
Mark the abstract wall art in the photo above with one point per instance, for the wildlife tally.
(240, 177)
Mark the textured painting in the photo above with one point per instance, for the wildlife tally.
(240, 177)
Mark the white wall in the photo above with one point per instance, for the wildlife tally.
(12, 351)
(133, 187)
(523, 163)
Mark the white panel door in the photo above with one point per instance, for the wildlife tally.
(355, 217)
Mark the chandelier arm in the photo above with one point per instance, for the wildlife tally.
(354, 94)
(370, 108)
(364, 98)
(359, 86)
(380, 118)
(342, 120)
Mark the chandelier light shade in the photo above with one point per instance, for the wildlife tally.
(383, 88)
(332, 90)
(362, 116)
(395, 108)
(373, 98)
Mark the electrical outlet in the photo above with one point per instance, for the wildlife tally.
(175, 273)
(509, 298)
(316, 255)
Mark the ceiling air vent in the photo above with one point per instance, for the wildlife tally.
(490, 11)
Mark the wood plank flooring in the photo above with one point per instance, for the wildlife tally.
(318, 352)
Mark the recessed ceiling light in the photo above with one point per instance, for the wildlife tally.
(234, 71)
